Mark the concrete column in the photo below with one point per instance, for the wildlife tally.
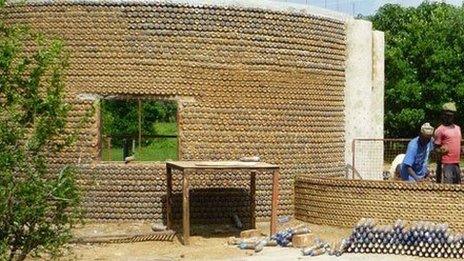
(378, 79)
(364, 98)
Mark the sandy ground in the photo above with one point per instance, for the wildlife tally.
(207, 243)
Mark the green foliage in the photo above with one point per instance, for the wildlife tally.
(153, 149)
(424, 61)
(120, 117)
(160, 149)
(120, 121)
(37, 209)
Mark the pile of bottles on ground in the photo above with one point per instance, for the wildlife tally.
(423, 239)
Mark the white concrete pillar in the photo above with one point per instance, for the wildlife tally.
(364, 98)
(378, 79)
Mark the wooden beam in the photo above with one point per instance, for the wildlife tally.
(169, 198)
(253, 198)
(275, 201)
(186, 207)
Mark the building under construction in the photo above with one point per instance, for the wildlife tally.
(289, 83)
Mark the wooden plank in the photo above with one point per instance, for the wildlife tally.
(169, 197)
(174, 166)
(186, 207)
(225, 164)
(167, 235)
(275, 201)
(99, 123)
(253, 198)
(110, 156)
(220, 165)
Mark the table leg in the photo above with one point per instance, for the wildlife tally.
(275, 201)
(253, 198)
(186, 208)
(169, 197)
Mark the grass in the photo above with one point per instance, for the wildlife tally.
(165, 128)
(160, 149)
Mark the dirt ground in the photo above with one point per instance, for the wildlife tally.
(207, 243)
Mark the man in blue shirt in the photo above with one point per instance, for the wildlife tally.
(414, 166)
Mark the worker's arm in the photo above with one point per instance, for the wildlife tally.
(427, 175)
(437, 153)
(440, 150)
(408, 160)
(413, 174)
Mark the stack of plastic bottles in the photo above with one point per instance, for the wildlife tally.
(284, 237)
(424, 239)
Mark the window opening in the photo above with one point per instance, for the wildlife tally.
(136, 129)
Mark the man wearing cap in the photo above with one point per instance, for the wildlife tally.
(448, 145)
(414, 166)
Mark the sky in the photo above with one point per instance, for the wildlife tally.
(365, 7)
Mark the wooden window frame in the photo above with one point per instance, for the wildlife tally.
(140, 99)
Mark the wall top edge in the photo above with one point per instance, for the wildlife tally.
(268, 5)
(377, 184)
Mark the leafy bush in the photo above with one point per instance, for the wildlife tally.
(424, 60)
(37, 209)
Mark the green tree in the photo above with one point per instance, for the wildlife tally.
(37, 208)
(424, 61)
(120, 117)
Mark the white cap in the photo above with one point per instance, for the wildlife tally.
(426, 129)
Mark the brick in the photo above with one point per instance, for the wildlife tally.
(303, 240)
(250, 233)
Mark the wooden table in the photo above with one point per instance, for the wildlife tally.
(187, 167)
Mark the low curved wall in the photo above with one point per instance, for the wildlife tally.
(342, 202)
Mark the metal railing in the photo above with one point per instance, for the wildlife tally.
(372, 158)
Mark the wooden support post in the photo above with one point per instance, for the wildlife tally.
(253, 198)
(186, 207)
(179, 128)
(99, 121)
(110, 154)
(169, 197)
(275, 201)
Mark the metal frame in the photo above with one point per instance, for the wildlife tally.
(353, 150)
